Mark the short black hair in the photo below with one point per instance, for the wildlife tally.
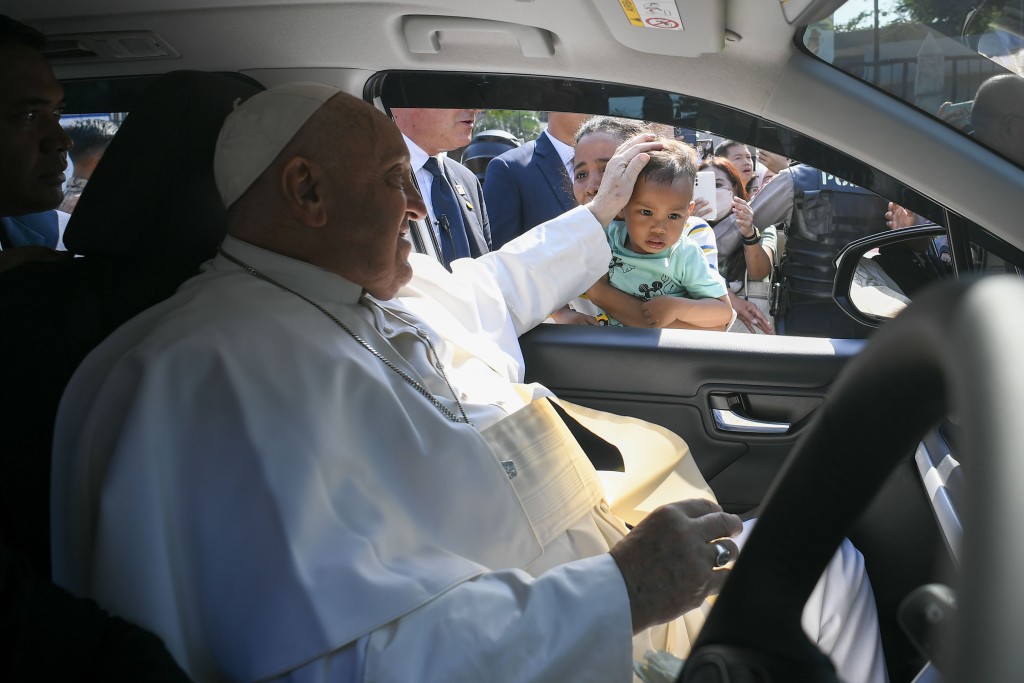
(723, 147)
(16, 33)
(90, 136)
(621, 129)
(676, 160)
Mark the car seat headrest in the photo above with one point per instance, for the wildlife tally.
(153, 196)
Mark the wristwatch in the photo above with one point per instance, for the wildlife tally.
(753, 239)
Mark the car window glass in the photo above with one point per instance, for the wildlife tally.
(90, 135)
(839, 198)
(991, 257)
(935, 56)
(823, 213)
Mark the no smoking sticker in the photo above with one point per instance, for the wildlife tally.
(657, 14)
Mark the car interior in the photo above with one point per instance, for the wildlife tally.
(819, 437)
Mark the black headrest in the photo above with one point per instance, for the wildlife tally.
(153, 196)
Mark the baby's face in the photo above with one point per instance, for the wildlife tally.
(656, 214)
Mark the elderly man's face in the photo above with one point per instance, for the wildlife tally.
(374, 202)
(33, 146)
(437, 130)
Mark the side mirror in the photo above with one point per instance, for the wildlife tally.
(877, 276)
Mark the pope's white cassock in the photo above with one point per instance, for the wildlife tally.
(238, 473)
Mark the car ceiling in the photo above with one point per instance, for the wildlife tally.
(256, 35)
(763, 72)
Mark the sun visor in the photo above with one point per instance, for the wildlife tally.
(677, 28)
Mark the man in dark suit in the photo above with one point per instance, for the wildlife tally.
(455, 201)
(45, 632)
(30, 230)
(531, 184)
(33, 148)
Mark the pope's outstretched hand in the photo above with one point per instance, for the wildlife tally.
(620, 175)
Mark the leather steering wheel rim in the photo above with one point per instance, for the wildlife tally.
(958, 350)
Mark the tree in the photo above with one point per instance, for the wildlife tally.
(525, 125)
(947, 16)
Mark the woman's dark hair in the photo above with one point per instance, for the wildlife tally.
(621, 129)
(676, 159)
(734, 176)
(723, 147)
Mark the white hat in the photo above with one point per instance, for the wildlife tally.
(258, 129)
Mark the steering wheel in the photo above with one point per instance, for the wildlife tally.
(957, 350)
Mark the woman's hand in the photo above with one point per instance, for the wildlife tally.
(701, 209)
(750, 315)
(620, 175)
(744, 216)
(567, 316)
(772, 161)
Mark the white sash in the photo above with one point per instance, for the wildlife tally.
(550, 473)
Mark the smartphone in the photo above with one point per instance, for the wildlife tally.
(704, 188)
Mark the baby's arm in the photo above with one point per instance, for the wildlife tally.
(624, 307)
(677, 311)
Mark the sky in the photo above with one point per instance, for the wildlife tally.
(854, 7)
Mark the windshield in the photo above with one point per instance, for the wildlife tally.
(960, 61)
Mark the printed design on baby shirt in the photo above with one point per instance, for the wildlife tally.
(618, 264)
(649, 291)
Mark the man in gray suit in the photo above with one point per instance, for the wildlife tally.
(529, 185)
(454, 198)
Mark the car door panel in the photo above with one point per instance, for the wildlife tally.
(676, 379)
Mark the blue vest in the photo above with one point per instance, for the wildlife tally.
(828, 214)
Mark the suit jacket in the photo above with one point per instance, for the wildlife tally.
(525, 187)
(31, 230)
(474, 209)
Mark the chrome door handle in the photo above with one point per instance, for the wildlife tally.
(731, 421)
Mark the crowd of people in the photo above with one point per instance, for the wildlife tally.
(761, 207)
(742, 238)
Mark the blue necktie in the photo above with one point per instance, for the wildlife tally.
(450, 226)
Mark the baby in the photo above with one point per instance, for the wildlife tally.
(652, 258)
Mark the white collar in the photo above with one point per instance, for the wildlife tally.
(418, 157)
(311, 281)
(565, 152)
